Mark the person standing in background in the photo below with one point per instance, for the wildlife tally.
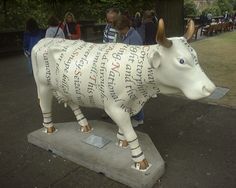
(70, 27)
(129, 36)
(138, 25)
(110, 33)
(150, 28)
(31, 36)
(54, 30)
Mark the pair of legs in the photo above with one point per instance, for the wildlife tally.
(45, 100)
(137, 119)
(127, 136)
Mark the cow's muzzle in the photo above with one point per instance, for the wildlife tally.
(199, 91)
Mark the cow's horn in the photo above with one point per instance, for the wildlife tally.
(189, 34)
(161, 37)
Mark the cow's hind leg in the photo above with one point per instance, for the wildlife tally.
(45, 101)
(122, 119)
(82, 121)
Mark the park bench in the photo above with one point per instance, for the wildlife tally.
(225, 26)
(209, 30)
(219, 28)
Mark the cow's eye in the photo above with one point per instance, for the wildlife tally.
(181, 61)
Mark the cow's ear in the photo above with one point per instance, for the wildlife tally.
(154, 59)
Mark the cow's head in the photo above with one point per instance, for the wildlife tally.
(176, 65)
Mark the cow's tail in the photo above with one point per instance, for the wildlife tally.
(35, 67)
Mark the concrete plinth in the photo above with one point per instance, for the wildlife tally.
(111, 160)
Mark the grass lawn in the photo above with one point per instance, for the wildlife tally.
(217, 57)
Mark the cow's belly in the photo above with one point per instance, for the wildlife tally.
(82, 90)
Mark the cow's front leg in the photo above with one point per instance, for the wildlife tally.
(122, 142)
(45, 102)
(82, 121)
(122, 119)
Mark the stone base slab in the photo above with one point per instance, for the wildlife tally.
(111, 160)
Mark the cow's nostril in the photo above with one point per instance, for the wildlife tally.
(205, 91)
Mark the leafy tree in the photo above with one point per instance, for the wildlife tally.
(14, 14)
(190, 8)
(17, 12)
(224, 5)
(214, 10)
(233, 3)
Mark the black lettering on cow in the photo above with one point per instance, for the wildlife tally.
(115, 67)
(65, 86)
(116, 56)
(47, 67)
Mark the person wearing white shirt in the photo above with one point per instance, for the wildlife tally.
(54, 30)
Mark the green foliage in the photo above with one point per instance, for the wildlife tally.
(224, 5)
(233, 3)
(214, 10)
(190, 8)
(220, 6)
(15, 14)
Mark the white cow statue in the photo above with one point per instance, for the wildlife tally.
(116, 77)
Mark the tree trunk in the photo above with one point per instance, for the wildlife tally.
(172, 11)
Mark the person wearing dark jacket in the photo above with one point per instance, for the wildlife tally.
(150, 28)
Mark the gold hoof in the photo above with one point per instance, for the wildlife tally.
(141, 165)
(86, 129)
(123, 143)
(51, 129)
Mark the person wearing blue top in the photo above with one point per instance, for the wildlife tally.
(31, 36)
(129, 36)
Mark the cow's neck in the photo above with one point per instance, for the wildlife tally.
(147, 79)
(143, 75)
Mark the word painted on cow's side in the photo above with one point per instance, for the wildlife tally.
(101, 85)
(139, 74)
(130, 83)
(111, 84)
(65, 85)
(92, 83)
(47, 67)
(133, 56)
